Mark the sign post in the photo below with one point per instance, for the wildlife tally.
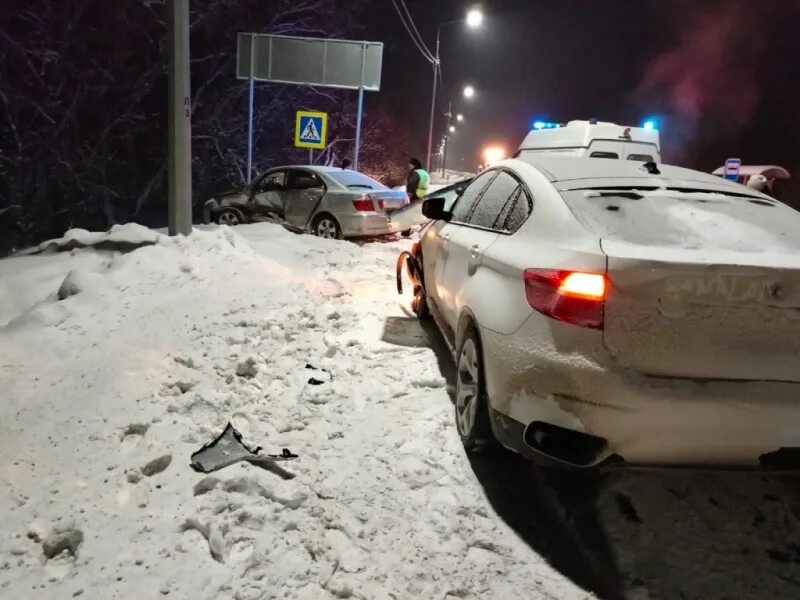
(344, 64)
(732, 166)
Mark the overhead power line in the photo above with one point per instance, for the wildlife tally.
(412, 29)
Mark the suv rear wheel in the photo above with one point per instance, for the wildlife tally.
(471, 406)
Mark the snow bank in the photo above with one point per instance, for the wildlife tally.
(147, 357)
(120, 237)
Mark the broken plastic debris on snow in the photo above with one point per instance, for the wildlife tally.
(228, 448)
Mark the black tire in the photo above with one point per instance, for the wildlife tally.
(326, 226)
(229, 216)
(472, 415)
(406, 233)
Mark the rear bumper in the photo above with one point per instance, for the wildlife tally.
(645, 420)
(366, 224)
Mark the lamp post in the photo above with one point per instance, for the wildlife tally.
(473, 19)
(179, 186)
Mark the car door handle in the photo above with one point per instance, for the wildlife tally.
(474, 259)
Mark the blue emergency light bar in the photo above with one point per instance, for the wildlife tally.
(650, 123)
(545, 125)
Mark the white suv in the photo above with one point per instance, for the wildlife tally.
(606, 310)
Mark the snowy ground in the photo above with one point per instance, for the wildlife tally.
(106, 393)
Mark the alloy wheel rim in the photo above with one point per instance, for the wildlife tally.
(326, 229)
(228, 218)
(467, 386)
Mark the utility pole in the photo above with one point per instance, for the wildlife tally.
(180, 123)
(433, 100)
(449, 116)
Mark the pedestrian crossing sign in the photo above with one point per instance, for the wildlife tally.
(311, 129)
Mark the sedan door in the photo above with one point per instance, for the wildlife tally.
(267, 194)
(467, 244)
(304, 190)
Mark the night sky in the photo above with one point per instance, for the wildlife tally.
(722, 76)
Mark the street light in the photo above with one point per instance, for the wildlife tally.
(473, 20)
(452, 129)
(469, 92)
(459, 118)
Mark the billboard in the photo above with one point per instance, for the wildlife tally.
(343, 64)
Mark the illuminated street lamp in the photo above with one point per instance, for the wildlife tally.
(459, 118)
(473, 19)
(452, 129)
(469, 92)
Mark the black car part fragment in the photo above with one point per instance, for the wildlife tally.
(229, 448)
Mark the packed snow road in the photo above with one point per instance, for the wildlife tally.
(107, 391)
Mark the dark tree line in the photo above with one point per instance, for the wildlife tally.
(83, 108)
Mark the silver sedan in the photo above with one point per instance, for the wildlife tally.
(326, 201)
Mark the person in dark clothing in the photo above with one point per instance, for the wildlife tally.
(417, 182)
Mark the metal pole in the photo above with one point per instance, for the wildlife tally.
(360, 106)
(446, 136)
(250, 112)
(358, 127)
(180, 124)
(433, 100)
(310, 156)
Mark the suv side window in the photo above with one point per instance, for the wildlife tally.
(466, 202)
(270, 182)
(302, 180)
(496, 200)
(519, 207)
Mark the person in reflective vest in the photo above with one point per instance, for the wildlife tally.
(418, 178)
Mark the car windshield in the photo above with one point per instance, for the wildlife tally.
(354, 180)
(694, 219)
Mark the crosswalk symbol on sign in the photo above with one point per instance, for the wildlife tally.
(310, 133)
(311, 129)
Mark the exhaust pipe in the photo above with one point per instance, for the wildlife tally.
(562, 447)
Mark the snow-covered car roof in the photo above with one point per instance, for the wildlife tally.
(594, 172)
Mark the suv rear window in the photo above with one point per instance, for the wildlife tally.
(687, 220)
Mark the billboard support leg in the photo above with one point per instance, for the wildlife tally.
(358, 126)
(250, 135)
(250, 112)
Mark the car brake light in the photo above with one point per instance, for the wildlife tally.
(364, 204)
(569, 296)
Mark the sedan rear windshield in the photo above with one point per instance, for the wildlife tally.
(694, 219)
(354, 180)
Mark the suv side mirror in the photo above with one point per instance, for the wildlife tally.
(433, 209)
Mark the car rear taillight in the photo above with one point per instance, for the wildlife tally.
(364, 204)
(570, 296)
